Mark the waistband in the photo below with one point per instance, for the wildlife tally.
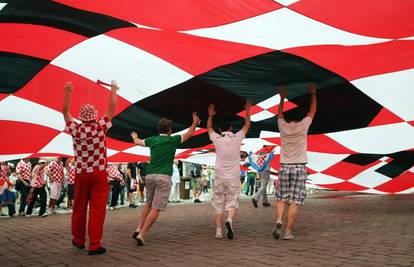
(292, 164)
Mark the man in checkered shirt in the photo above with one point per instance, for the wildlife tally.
(91, 185)
(115, 179)
(292, 174)
(23, 171)
(70, 168)
(56, 178)
(38, 189)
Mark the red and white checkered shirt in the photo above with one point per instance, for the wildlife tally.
(4, 171)
(113, 173)
(71, 174)
(55, 172)
(89, 144)
(38, 177)
(24, 169)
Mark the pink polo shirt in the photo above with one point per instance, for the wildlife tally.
(294, 140)
(227, 154)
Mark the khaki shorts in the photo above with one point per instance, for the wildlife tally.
(226, 194)
(55, 189)
(158, 190)
(198, 185)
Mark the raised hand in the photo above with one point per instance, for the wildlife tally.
(68, 87)
(196, 118)
(211, 110)
(114, 85)
(134, 135)
(282, 91)
(248, 105)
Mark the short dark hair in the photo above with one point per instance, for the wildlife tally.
(225, 126)
(295, 116)
(164, 125)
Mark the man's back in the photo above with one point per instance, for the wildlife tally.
(294, 140)
(162, 153)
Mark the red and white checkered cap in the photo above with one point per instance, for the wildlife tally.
(88, 113)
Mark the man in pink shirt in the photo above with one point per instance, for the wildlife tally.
(227, 177)
(293, 159)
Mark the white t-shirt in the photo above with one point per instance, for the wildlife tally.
(294, 140)
(227, 154)
(175, 178)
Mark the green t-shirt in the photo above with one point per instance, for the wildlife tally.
(162, 153)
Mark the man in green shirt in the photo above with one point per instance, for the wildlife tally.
(159, 171)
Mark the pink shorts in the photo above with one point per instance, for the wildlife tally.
(226, 194)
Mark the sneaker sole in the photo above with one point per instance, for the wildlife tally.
(277, 231)
(229, 230)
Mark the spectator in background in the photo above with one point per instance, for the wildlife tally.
(122, 184)
(195, 170)
(243, 163)
(204, 177)
(251, 179)
(70, 167)
(115, 178)
(7, 196)
(142, 173)
(175, 180)
(132, 182)
(23, 171)
(37, 189)
(54, 171)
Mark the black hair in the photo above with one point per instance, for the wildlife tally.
(164, 126)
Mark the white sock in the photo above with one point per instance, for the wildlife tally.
(230, 220)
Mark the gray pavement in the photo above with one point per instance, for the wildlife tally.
(333, 229)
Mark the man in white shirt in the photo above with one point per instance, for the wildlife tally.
(293, 159)
(227, 177)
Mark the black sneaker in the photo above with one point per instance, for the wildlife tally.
(132, 206)
(229, 230)
(78, 246)
(134, 236)
(99, 251)
(266, 204)
(254, 202)
(277, 230)
(197, 201)
(140, 241)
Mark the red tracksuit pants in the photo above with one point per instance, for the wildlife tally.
(90, 188)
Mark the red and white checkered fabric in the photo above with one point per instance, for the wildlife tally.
(55, 172)
(89, 144)
(38, 177)
(71, 173)
(24, 169)
(113, 173)
(88, 113)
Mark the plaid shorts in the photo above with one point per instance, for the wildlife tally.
(158, 190)
(292, 186)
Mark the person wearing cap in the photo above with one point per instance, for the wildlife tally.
(91, 185)
(38, 185)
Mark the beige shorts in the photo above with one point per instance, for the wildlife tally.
(158, 190)
(226, 194)
(198, 185)
(55, 189)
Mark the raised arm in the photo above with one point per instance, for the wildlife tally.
(283, 95)
(248, 107)
(112, 100)
(312, 92)
(137, 140)
(193, 126)
(211, 113)
(68, 89)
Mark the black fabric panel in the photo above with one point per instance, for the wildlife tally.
(52, 14)
(363, 159)
(16, 70)
(402, 161)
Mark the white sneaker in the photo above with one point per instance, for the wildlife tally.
(44, 214)
(288, 236)
(219, 234)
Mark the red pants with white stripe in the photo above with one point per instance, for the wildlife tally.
(90, 188)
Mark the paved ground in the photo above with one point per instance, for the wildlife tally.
(333, 229)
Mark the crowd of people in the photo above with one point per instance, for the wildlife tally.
(94, 178)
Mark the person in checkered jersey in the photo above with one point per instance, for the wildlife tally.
(292, 174)
(115, 179)
(56, 176)
(91, 185)
(159, 172)
(38, 189)
(23, 171)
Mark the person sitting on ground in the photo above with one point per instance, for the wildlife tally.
(227, 188)
(293, 159)
(158, 176)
